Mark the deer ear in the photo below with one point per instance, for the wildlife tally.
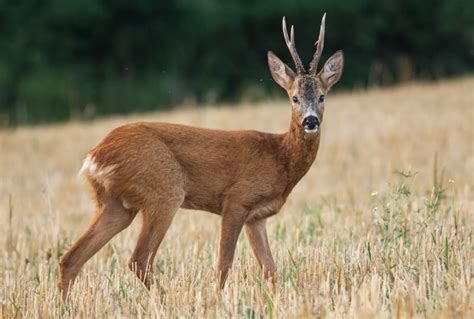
(281, 73)
(332, 70)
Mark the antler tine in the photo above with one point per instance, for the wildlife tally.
(313, 66)
(292, 35)
(285, 32)
(290, 43)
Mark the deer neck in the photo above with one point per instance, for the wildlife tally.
(300, 149)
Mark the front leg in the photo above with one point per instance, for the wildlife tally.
(233, 220)
(257, 236)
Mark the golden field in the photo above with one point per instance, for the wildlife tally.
(380, 227)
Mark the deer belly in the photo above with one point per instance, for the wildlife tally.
(204, 204)
(265, 209)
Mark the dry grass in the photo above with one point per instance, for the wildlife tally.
(355, 239)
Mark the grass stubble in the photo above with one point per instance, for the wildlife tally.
(382, 225)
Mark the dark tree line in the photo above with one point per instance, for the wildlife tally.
(81, 58)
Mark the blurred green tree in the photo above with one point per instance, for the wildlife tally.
(81, 58)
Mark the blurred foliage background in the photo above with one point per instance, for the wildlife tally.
(78, 59)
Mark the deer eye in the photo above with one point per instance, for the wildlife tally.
(321, 98)
(294, 99)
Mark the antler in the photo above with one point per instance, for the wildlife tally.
(290, 43)
(313, 66)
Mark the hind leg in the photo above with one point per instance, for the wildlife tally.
(110, 218)
(156, 221)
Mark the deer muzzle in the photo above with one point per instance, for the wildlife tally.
(311, 124)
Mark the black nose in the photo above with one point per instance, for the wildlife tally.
(310, 122)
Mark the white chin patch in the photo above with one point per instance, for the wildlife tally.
(315, 130)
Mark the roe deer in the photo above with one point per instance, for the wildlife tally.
(244, 176)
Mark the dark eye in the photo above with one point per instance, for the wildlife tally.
(294, 99)
(321, 98)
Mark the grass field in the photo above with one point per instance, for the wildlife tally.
(381, 226)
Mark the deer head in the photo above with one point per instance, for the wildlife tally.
(306, 90)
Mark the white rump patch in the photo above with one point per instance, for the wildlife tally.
(102, 175)
(89, 167)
